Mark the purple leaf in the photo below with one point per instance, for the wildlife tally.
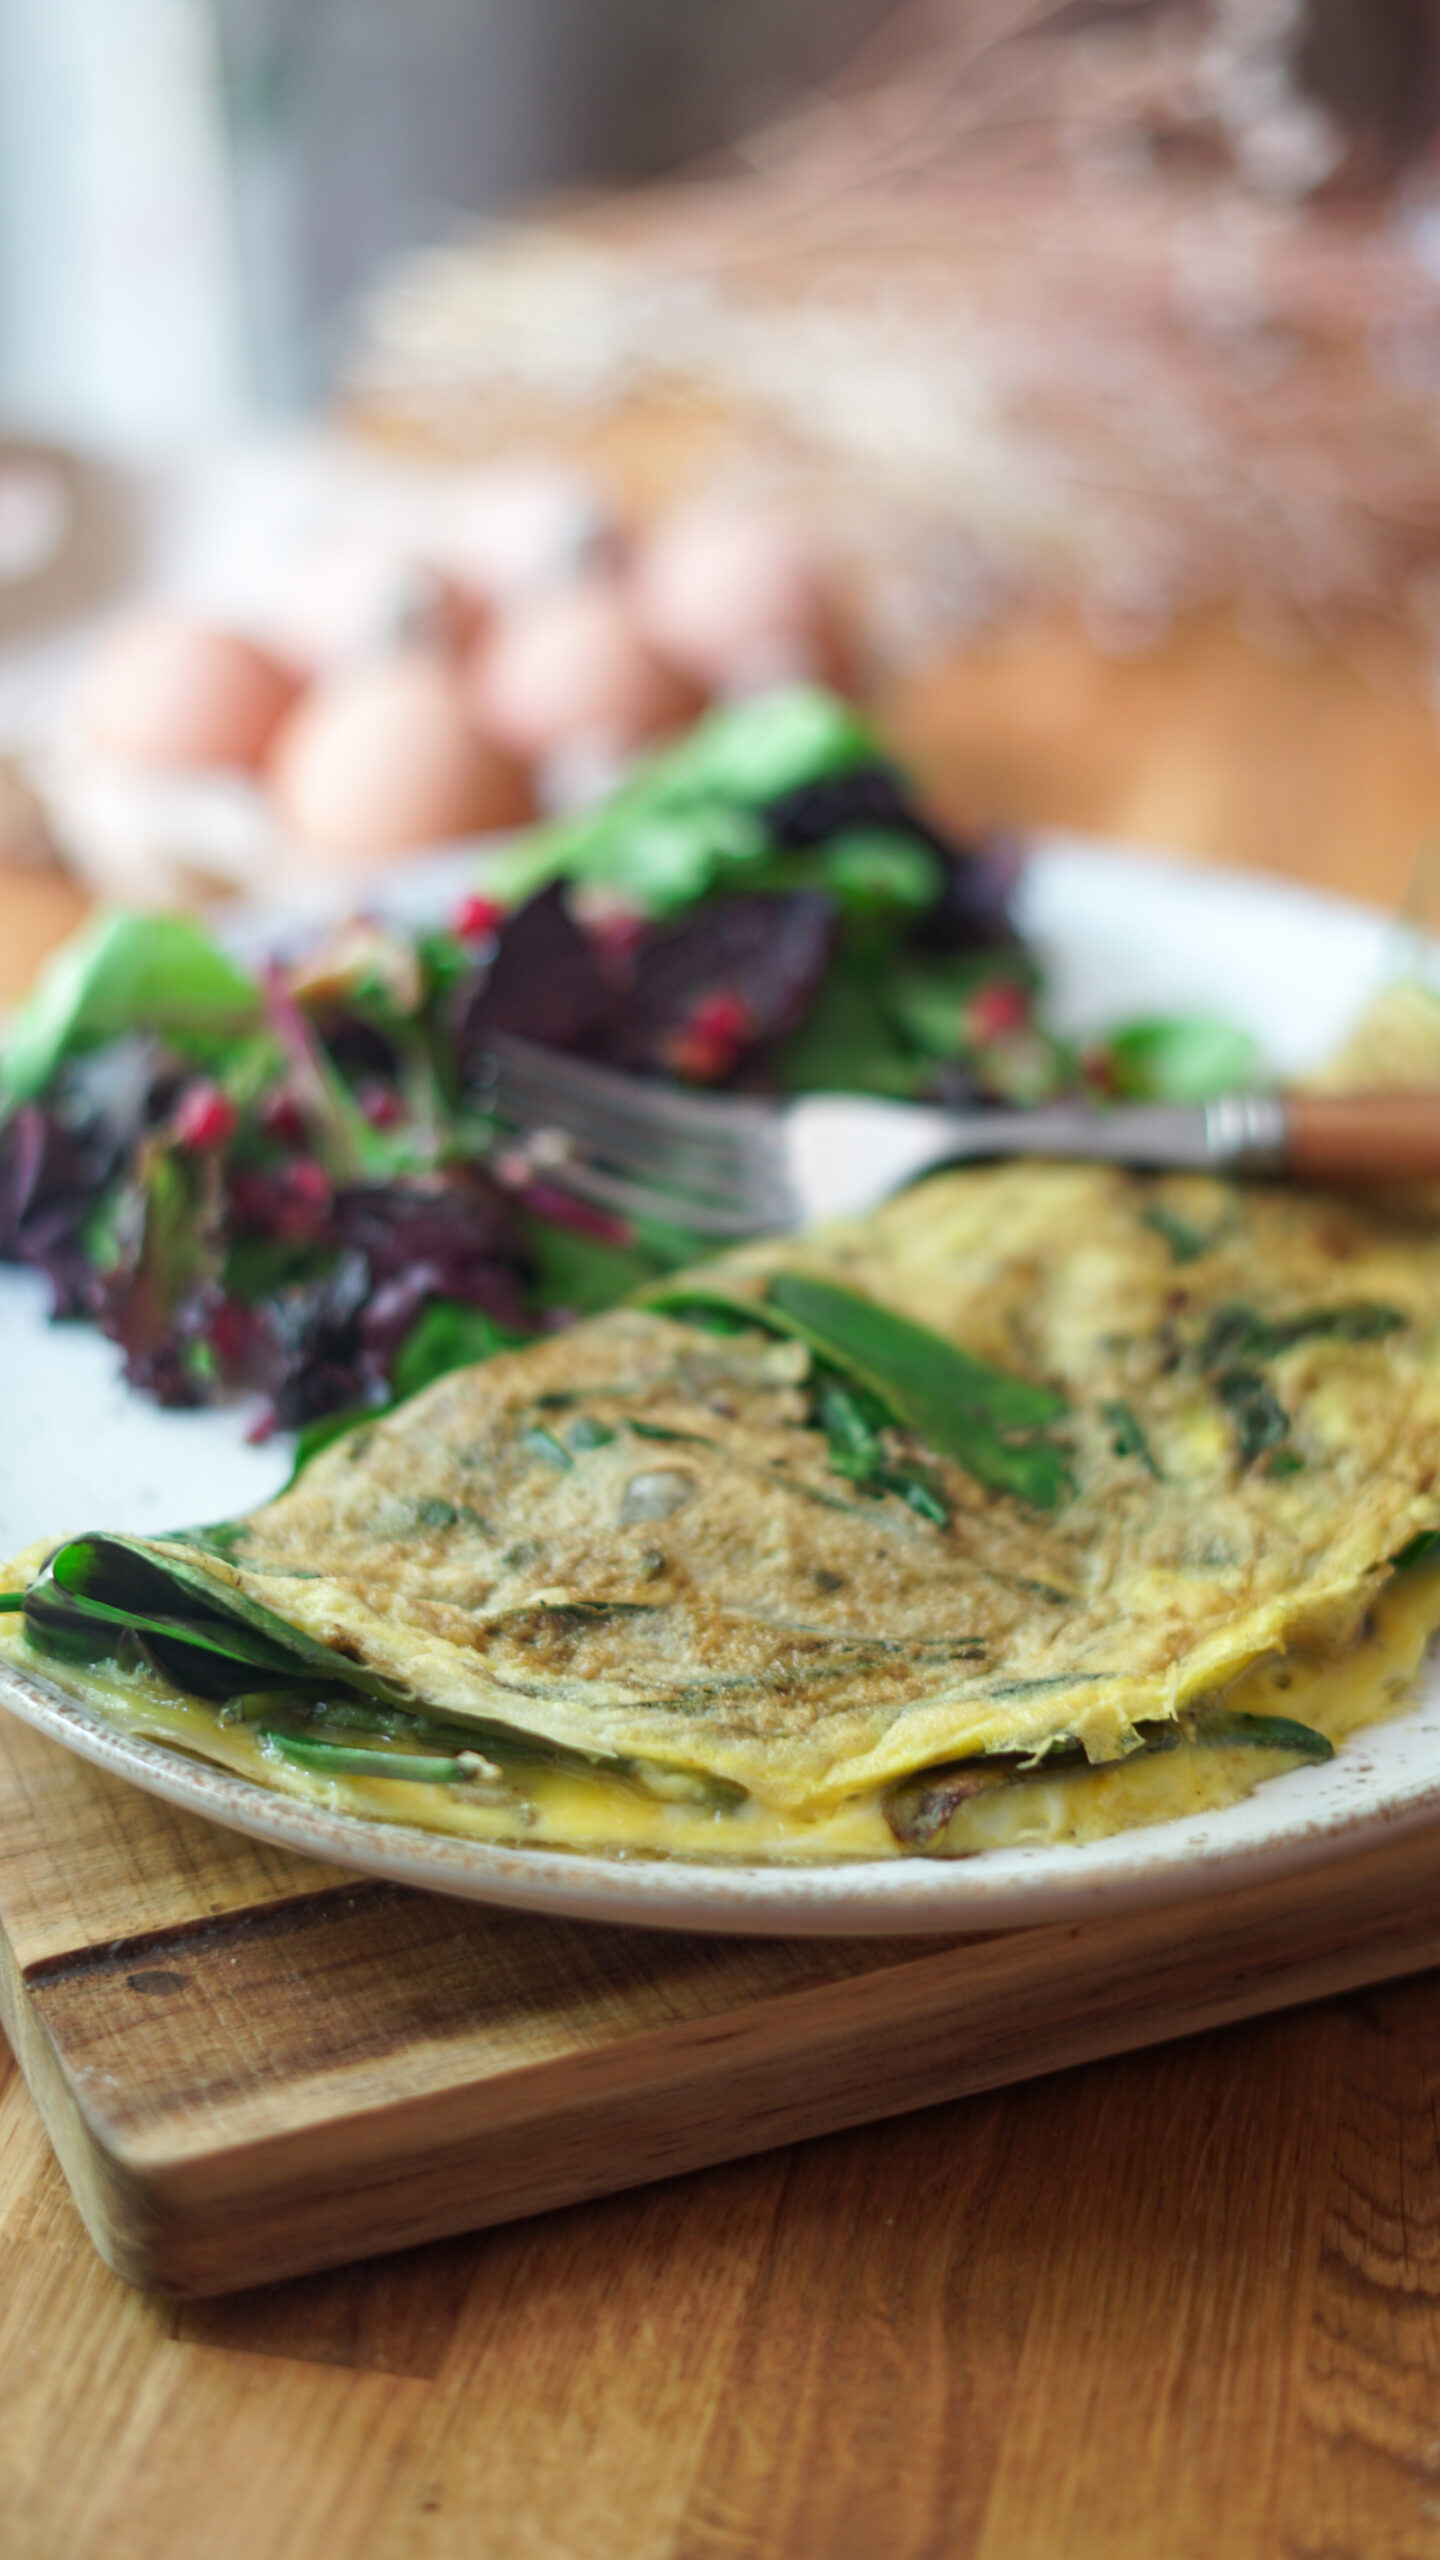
(162, 1296)
(332, 1342)
(865, 796)
(762, 958)
(544, 980)
(48, 1180)
(455, 1224)
(974, 912)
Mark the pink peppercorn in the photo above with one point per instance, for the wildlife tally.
(382, 1106)
(709, 1042)
(476, 918)
(204, 1117)
(722, 1017)
(995, 1010)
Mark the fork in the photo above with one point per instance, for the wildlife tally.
(723, 1165)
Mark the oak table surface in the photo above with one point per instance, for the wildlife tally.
(1183, 2303)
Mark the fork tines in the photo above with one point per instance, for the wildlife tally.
(712, 1163)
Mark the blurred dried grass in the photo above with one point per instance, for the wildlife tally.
(1100, 305)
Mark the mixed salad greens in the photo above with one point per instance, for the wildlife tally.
(286, 1182)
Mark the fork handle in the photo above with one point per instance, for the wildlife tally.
(1362, 1137)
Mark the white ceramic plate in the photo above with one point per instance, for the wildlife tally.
(1119, 935)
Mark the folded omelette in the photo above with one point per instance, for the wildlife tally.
(1048, 1500)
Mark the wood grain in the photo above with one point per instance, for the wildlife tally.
(244, 2088)
(1179, 2302)
(1320, 763)
(1363, 1137)
(1095, 2315)
(37, 910)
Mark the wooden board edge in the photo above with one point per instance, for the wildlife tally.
(667, 2102)
(110, 2194)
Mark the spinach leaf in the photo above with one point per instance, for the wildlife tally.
(1421, 1549)
(584, 1274)
(1181, 1058)
(1267, 1733)
(847, 1042)
(849, 1422)
(916, 1372)
(342, 1760)
(155, 973)
(880, 877)
(314, 1436)
(206, 1634)
(690, 819)
(990, 1419)
(448, 1335)
(852, 1421)
(724, 1317)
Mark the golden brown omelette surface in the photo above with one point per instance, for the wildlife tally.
(629, 1539)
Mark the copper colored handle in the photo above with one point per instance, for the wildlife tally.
(1363, 1137)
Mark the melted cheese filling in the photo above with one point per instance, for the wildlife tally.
(600, 1812)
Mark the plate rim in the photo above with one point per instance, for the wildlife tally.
(1154, 1864)
(900, 1897)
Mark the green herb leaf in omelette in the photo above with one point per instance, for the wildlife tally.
(1265, 1733)
(1237, 1340)
(1238, 1334)
(1185, 1240)
(204, 1633)
(962, 1407)
(342, 1760)
(1127, 1434)
(1261, 1421)
(990, 1419)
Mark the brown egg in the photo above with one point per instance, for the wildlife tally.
(384, 759)
(162, 689)
(572, 667)
(519, 527)
(735, 595)
(353, 598)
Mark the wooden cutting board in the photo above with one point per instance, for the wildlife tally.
(252, 2066)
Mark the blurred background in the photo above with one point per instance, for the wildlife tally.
(196, 190)
(1079, 360)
